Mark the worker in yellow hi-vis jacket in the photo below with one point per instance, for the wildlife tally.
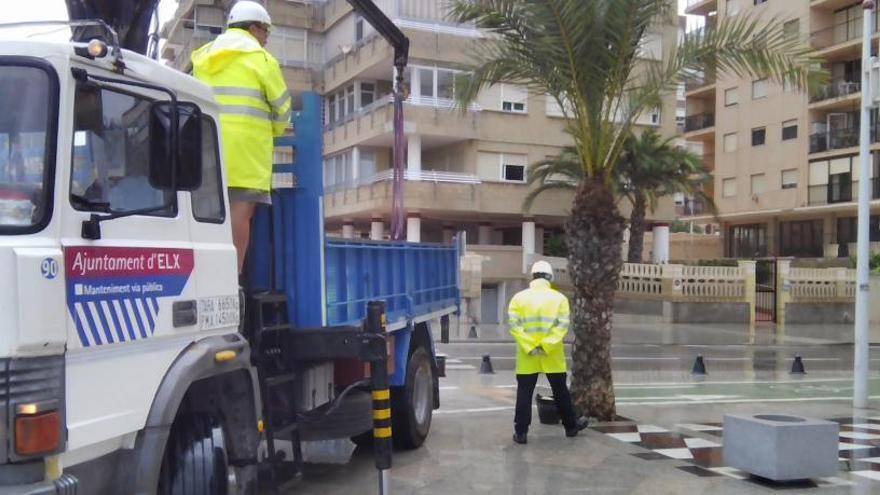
(254, 108)
(539, 319)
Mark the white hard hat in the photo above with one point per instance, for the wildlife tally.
(248, 11)
(542, 267)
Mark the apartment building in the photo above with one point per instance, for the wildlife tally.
(466, 169)
(786, 163)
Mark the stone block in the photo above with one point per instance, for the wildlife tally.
(781, 447)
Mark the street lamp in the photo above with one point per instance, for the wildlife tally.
(861, 358)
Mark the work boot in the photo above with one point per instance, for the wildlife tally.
(521, 438)
(579, 425)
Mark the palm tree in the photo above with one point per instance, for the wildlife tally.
(651, 167)
(582, 53)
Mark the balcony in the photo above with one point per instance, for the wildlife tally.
(692, 207)
(701, 7)
(844, 192)
(838, 88)
(700, 85)
(440, 193)
(372, 124)
(699, 121)
(839, 40)
(836, 139)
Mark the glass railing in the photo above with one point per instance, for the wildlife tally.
(836, 89)
(838, 33)
(845, 192)
(699, 121)
(835, 139)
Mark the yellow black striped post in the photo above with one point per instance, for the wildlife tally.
(381, 396)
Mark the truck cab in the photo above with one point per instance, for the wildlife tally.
(124, 350)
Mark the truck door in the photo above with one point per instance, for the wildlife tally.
(122, 289)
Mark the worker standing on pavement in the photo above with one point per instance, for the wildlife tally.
(539, 319)
(254, 108)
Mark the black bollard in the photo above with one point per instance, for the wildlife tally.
(797, 367)
(486, 366)
(699, 366)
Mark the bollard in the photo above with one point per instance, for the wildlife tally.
(699, 366)
(486, 366)
(797, 367)
(444, 329)
(381, 399)
(440, 359)
(472, 334)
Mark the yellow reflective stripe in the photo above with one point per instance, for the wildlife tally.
(244, 110)
(382, 432)
(381, 394)
(238, 91)
(381, 413)
(538, 319)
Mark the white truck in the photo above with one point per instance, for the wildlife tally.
(125, 363)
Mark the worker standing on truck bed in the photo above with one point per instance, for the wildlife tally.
(254, 108)
(539, 318)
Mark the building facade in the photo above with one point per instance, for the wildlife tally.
(466, 169)
(785, 162)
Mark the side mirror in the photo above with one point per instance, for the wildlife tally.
(188, 175)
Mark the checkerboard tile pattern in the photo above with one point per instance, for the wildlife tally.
(700, 445)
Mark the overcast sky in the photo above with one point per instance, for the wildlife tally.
(42, 10)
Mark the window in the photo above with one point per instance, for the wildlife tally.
(514, 173)
(513, 98)
(730, 142)
(207, 200)
(349, 99)
(27, 147)
(759, 136)
(358, 28)
(759, 89)
(426, 82)
(792, 29)
(730, 97)
(789, 129)
(331, 109)
(728, 187)
(445, 84)
(747, 241)
(288, 45)
(760, 2)
(789, 178)
(732, 7)
(111, 169)
(802, 239)
(758, 184)
(368, 93)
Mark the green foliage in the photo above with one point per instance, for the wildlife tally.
(556, 246)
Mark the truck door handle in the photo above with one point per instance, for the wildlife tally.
(184, 313)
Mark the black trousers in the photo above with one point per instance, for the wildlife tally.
(525, 390)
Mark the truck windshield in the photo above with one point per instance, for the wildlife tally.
(28, 95)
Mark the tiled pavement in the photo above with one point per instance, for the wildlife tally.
(700, 445)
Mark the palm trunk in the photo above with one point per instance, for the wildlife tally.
(595, 235)
(637, 229)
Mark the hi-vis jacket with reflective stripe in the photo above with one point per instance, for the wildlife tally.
(254, 104)
(539, 317)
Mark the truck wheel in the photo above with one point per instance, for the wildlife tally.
(195, 460)
(413, 404)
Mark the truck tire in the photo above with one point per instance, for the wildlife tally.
(195, 460)
(412, 405)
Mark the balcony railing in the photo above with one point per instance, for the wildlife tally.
(699, 121)
(836, 89)
(838, 33)
(699, 81)
(836, 139)
(408, 175)
(415, 101)
(846, 192)
(692, 207)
